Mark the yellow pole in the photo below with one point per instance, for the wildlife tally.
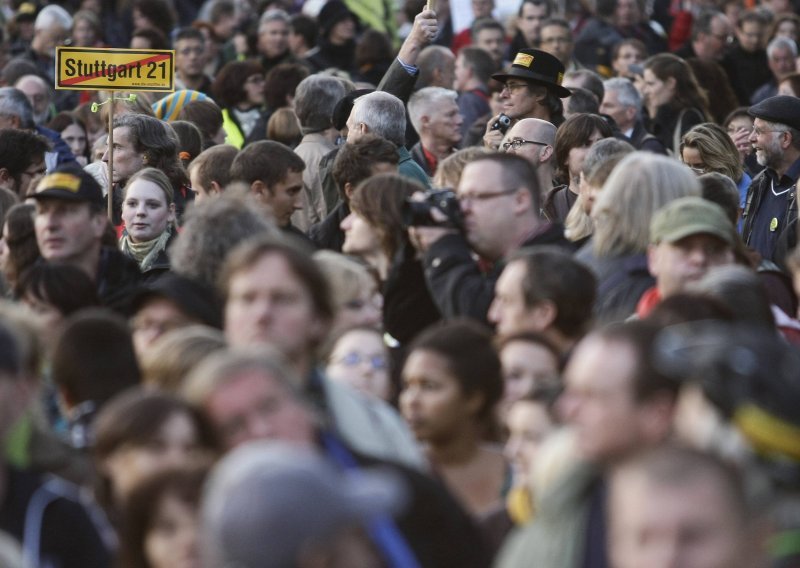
(110, 195)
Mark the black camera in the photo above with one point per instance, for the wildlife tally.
(420, 213)
(502, 123)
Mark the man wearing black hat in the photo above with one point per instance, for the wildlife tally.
(770, 212)
(532, 90)
(70, 222)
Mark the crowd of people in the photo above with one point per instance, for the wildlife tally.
(460, 284)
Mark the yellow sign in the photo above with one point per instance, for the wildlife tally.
(523, 59)
(99, 69)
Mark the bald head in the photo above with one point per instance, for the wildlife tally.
(532, 130)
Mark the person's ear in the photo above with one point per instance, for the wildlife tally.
(348, 190)
(6, 179)
(547, 153)
(786, 141)
(98, 224)
(543, 313)
(655, 417)
(522, 200)
(424, 121)
(172, 214)
(215, 188)
(475, 402)
(652, 260)
(259, 189)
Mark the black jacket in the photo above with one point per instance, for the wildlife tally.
(668, 119)
(327, 234)
(787, 239)
(641, 139)
(118, 278)
(621, 281)
(457, 284)
(66, 532)
(408, 307)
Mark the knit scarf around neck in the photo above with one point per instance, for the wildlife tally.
(144, 253)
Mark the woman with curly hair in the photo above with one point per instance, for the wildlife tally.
(239, 90)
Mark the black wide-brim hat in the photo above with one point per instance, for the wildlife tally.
(537, 66)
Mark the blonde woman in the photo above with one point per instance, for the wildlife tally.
(708, 148)
(148, 213)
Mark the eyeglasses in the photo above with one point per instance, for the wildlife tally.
(483, 196)
(564, 39)
(377, 362)
(36, 171)
(724, 38)
(699, 170)
(517, 143)
(760, 131)
(192, 51)
(511, 87)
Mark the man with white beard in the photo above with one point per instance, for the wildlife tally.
(40, 94)
(770, 212)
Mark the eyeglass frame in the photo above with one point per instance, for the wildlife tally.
(695, 169)
(354, 358)
(513, 87)
(759, 132)
(485, 195)
(518, 142)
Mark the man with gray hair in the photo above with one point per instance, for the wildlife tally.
(51, 28)
(272, 505)
(273, 40)
(770, 211)
(384, 114)
(623, 103)
(435, 116)
(315, 98)
(16, 112)
(781, 54)
(40, 95)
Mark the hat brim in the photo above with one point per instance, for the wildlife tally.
(699, 229)
(62, 194)
(561, 92)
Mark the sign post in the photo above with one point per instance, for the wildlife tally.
(100, 69)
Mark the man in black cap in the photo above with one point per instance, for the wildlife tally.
(532, 90)
(70, 223)
(770, 212)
